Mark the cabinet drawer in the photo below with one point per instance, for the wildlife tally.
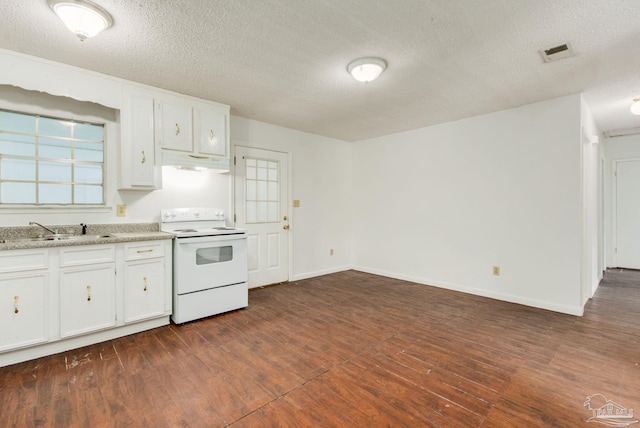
(14, 261)
(83, 255)
(144, 250)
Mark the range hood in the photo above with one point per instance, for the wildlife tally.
(190, 161)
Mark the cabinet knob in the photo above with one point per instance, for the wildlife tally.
(177, 129)
(15, 304)
(143, 159)
(212, 135)
(88, 293)
(285, 227)
(145, 283)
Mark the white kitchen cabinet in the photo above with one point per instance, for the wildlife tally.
(140, 169)
(24, 298)
(144, 290)
(87, 299)
(73, 296)
(195, 129)
(23, 310)
(144, 279)
(175, 125)
(211, 132)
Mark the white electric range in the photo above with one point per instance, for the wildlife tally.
(209, 263)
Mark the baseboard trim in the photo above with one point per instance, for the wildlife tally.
(541, 304)
(308, 275)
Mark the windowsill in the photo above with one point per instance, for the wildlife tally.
(55, 208)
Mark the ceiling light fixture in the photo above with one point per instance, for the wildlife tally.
(82, 17)
(635, 107)
(366, 69)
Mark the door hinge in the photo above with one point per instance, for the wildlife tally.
(234, 160)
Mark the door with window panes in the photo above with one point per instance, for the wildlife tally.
(50, 161)
(261, 206)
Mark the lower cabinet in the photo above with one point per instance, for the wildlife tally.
(23, 310)
(144, 289)
(87, 300)
(56, 299)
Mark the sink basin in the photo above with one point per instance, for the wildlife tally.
(57, 237)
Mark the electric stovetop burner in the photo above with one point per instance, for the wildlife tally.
(185, 230)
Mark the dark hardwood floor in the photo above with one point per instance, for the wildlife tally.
(347, 350)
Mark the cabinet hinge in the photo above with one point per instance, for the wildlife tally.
(234, 160)
(615, 250)
(234, 218)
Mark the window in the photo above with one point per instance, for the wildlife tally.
(46, 160)
(262, 196)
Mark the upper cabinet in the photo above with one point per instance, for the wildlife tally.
(139, 168)
(175, 125)
(211, 132)
(197, 128)
(160, 128)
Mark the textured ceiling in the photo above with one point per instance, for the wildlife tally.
(284, 61)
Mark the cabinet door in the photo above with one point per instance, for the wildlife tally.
(87, 300)
(211, 132)
(176, 128)
(139, 169)
(23, 310)
(144, 289)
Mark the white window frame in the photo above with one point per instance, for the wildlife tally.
(37, 158)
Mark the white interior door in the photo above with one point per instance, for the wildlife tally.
(261, 207)
(628, 214)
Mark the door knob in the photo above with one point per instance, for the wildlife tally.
(285, 227)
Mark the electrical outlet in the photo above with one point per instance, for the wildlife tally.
(496, 270)
(121, 210)
(331, 252)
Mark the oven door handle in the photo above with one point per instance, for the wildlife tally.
(211, 239)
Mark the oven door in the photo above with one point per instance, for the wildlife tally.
(205, 262)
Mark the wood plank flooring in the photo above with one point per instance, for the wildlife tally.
(347, 350)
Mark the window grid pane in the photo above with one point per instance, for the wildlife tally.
(262, 198)
(46, 160)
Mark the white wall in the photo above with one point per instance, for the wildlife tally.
(592, 238)
(442, 205)
(615, 149)
(322, 181)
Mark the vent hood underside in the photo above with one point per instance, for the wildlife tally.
(191, 161)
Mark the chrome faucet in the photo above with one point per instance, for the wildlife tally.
(32, 223)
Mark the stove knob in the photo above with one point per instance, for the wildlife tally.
(196, 214)
(173, 214)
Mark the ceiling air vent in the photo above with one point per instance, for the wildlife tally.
(557, 52)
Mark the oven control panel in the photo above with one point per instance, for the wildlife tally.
(172, 215)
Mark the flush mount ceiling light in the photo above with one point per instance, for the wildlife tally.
(635, 107)
(366, 69)
(82, 17)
